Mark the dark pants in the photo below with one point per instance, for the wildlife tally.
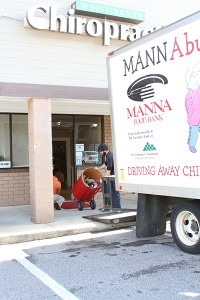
(109, 188)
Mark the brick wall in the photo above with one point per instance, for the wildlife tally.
(107, 132)
(14, 187)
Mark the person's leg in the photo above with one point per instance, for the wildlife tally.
(59, 200)
(193, 136)
(106, 190)
(106, 195)
(116, 198)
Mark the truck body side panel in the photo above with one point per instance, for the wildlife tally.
(154, 87)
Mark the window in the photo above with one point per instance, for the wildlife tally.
(82, 133)
(20, 141)
(4, 138)
(88, 135)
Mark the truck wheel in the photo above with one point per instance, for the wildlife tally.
(185, 227)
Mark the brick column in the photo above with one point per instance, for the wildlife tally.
(107, 132)
(40, 160)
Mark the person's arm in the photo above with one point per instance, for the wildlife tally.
(189, 103)
(101, 167)
(109, 162)
(107, 173)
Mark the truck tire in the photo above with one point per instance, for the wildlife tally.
(185, 226)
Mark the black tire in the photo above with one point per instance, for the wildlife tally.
(185, 226)
(80, 205)
(93, 204)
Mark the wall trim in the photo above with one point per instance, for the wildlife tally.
(52, 91)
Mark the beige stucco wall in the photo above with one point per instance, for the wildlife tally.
(54, 58)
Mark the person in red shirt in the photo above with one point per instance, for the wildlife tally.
(58, 179)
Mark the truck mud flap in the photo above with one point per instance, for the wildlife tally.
(151, 215)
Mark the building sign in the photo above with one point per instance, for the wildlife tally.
(79, 154)
(79, 147)
(5, 164)
(44, 17)
(113, 12)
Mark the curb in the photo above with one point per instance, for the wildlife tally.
(28, 237)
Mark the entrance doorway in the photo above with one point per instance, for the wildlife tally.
(74, 137)
(63, 152)
(59, 147)
(62, 162)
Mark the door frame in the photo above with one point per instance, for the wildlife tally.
(67, 141)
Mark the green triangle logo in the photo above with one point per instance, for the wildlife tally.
(149, 147)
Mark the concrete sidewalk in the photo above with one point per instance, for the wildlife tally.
(16, 225)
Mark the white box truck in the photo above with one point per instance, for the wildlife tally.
(154, 91)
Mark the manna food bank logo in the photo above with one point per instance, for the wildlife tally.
(149, 99)
(143, 88)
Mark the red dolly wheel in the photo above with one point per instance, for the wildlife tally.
(80, 205)
(93, 204)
